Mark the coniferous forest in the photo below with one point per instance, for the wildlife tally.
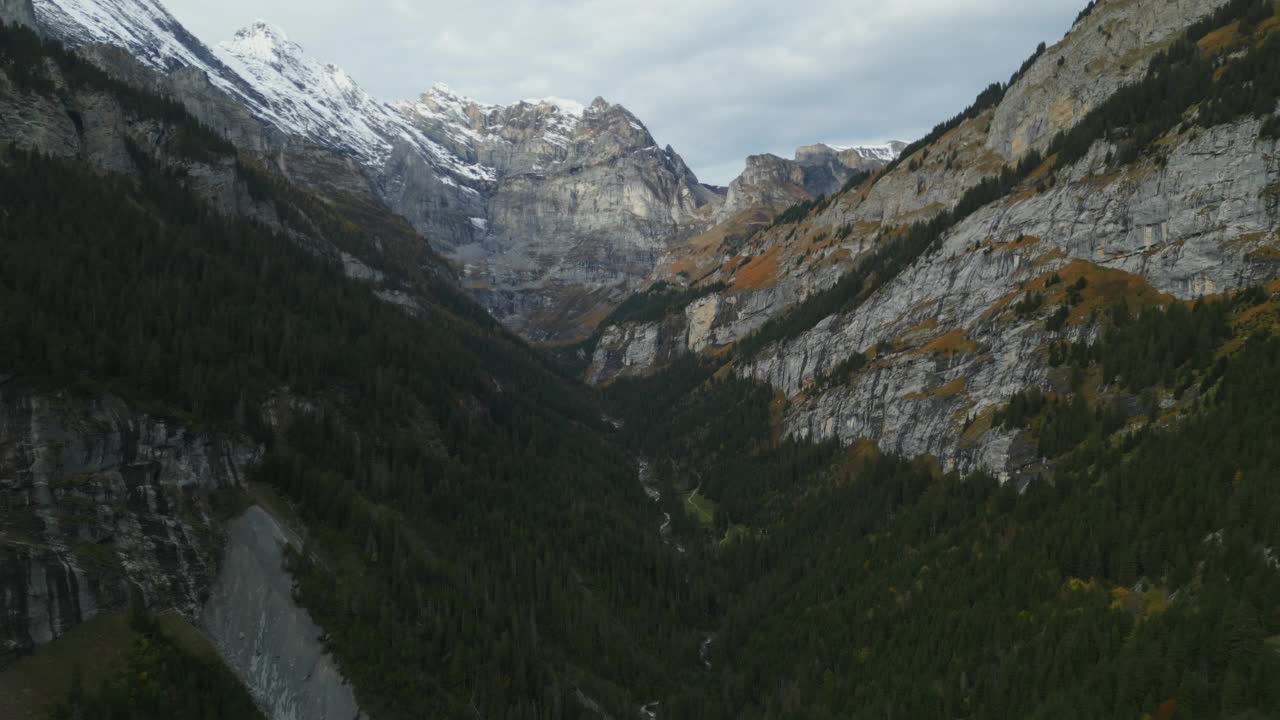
(480, 543)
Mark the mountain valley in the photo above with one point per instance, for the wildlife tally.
(318, 406)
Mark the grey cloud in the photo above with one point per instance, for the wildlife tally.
(717, 79)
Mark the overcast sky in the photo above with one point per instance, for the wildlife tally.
(716, 79)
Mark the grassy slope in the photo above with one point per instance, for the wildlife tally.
(31, 687)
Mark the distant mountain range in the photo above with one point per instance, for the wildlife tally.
(500, 190)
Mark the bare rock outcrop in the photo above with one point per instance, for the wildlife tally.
(1200, 219)
(104, 507)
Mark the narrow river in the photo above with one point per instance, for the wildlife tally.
(646, 481)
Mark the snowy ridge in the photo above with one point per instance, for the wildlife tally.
(467, 121)
(885, 152)
(565, 115)
(570, 108)
(301, 95)
(143, 27)
(322, 102)
(262, 68)
(457, 113)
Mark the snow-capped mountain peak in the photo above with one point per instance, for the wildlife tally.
(322, 102)
(307, 97)
(263, 41)
(570, 108)
(856, 157)
(301, 96)
(444, 93)
(883, 152)
(443, 101)
(466, 121)
(271, 74)
(143, 27)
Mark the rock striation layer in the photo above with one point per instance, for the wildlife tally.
(583, 204)
(103, 507)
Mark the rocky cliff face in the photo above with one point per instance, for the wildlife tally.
(90, 122)
(1196, 216)
(765, 271)
(308, 120)
(583, 204)
(771, 269)
(768, 181)
(777, 183)
(1200, 220)
(552, 211)
(1110, 48)
(826, 168)
(104, 506)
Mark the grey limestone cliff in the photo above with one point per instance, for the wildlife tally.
(102, 507)
(583, 204)
(776, 183)
(1196, 215)
(1108, 48)
(1200, 219)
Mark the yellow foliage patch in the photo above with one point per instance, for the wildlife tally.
(1266, 27)
(979, 427)
(723, 372)
(1044, 168)
(924, 214)
(1220, 39)
(1104, 288)
(761, 272)
(1154, 602)
(1259, 318)
(1147, 605)
(1022, 243)
(951, 389)
(1255, 318)
(1266, 252)
(925, 325)
(702, 252)
(1024, 196)
(1075, 584)
(952, 343)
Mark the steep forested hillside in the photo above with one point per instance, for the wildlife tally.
(1138, 577)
